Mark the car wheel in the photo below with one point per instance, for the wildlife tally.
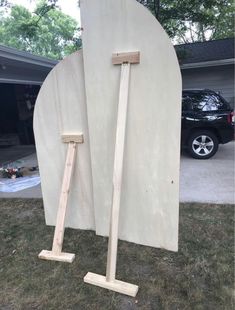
(203, 144)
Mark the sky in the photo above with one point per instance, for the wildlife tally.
(69, 7)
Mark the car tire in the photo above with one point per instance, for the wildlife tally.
(203, 144)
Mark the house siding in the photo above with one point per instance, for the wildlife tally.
(220, 78)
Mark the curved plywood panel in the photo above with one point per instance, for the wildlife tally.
(60, 109)
(150, 187)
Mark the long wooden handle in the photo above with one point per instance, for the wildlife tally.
(59, 229)
(117, 172)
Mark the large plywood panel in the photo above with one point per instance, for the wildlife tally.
(150, 187)
(61, 109)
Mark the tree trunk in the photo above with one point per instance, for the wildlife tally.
(156, 7)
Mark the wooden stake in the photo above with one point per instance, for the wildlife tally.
(56, 253)
(109, 281)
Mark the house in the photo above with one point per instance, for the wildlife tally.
(209, 65)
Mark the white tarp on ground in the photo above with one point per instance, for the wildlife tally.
(19, 184)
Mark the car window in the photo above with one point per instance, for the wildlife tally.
(212, 103)
(186, 103)
(200, 101)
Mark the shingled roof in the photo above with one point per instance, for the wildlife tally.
(205, 51)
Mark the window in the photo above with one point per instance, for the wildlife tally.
(202, 101)
(187, 103)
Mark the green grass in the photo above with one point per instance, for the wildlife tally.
(199, 276)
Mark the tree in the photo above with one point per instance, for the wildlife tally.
(51, 33)
(46, 32)
(194, 20)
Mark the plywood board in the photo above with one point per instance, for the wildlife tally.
(60, 112)
(150, 187)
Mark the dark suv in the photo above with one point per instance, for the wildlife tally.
(207, 121)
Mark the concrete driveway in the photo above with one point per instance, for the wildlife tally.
(210, 180)
(10, 154)
(207, 181)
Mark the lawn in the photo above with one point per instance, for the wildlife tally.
(199, 276)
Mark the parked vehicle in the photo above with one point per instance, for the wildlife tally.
(207, 121)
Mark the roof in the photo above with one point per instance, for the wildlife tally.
(23, 67)
(13, 53)
(215, 52)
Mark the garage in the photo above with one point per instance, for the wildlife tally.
(21, 75)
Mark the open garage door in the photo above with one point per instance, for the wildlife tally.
(21, 75)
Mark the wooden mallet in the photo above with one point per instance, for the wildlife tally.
(109, 281)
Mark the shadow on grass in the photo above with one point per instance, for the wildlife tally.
(199, 276)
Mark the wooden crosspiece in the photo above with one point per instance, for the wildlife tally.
(56, 252)
(109, 282)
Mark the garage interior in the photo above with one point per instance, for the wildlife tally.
(16, 117)
(21, 76)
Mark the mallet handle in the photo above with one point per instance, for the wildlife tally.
(117, 171)
(59, 229)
